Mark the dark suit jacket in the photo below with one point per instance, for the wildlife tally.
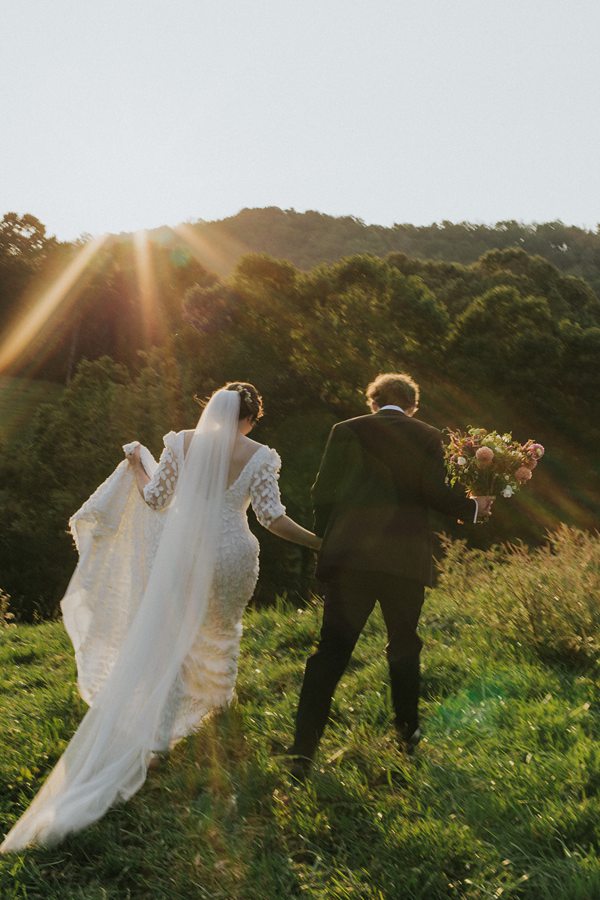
(379, 476)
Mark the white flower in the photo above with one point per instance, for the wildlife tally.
(461, 461)
(508, 491)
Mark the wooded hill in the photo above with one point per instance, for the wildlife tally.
(508, 342)
(307, 239)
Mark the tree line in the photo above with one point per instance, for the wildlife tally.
(104, 318)
(309, 238)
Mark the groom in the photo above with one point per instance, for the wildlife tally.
(379, 476)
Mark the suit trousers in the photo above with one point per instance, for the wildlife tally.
(349, 599)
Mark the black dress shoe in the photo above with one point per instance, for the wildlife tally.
(408, 738)
(298, 766)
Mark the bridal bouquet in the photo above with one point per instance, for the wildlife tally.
(487, 463)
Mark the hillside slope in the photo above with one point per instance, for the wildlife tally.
(502, 799)
(309, 238)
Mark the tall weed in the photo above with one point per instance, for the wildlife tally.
(6, 617)
(547, 598)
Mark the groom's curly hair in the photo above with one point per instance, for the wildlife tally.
(393, 389)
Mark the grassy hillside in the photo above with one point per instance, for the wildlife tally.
(19, 398)
(502, 799)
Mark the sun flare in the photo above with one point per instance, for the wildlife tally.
(212, 255)
(32, 324)
(150, 309)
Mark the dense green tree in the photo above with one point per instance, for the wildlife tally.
(24, 248)
(68, 450)
(23, 237)
(580, 372)
(509, 341)
(117, 309)
(506, 341)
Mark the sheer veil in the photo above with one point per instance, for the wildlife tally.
(107, 757)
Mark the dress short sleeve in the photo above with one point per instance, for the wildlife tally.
(264, 490)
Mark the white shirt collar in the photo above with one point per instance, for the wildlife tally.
(391, 406)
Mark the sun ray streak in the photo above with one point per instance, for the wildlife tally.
(29, 327)
(146, 283)
(208, 253)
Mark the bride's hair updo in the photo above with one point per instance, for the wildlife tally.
(251, 404)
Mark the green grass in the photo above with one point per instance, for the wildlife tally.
(19, 397)
(501, 800)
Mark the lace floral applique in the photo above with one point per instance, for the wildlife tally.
(160, 488)
(264, 492)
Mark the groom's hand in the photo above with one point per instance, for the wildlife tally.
(484, 507)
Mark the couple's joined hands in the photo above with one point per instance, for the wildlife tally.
(283, 527)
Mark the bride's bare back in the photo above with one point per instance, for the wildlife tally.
(244, 449)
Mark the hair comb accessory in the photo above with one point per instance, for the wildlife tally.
(244, 392)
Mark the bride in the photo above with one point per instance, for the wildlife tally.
(157, 636)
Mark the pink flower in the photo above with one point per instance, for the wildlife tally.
(484, 456)
(523, 474)
(536, 450)
(531, 463)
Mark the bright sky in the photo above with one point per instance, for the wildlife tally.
(123, 114)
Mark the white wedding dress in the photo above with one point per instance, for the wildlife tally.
(154, 610)
(207, 677)
(117, 536)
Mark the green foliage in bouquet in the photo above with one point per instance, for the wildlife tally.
(487, 463)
